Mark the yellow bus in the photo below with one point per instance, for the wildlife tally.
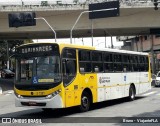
(52, 75)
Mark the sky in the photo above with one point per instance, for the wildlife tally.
(97, 41)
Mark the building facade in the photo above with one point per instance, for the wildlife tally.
(148, 43)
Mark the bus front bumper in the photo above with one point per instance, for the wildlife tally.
(39, 102)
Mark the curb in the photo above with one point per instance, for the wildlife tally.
(0, 90)
(8, 92)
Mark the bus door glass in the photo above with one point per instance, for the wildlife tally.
(26, 68)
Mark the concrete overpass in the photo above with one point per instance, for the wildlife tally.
(133, 20)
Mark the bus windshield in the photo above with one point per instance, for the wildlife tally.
(44, 69)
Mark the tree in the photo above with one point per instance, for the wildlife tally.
(10, 45)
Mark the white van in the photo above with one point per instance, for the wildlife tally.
(157, 81)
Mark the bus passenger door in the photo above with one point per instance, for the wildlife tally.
(69, 69)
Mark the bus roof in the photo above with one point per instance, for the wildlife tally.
(103, 49)
(121, 51)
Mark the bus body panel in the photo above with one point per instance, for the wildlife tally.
(39, 92)
(55, 102)
(89, 81)
(103, 85)
(72, 93)
(40, 96)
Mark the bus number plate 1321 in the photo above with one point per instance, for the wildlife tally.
(37, 93)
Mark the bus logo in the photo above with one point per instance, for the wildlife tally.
(104, 80)
(35, 80)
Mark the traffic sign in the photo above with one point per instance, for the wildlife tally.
(112, 6)
(22, 19)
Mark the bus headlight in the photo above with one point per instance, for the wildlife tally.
(53, 94)
(18, 96)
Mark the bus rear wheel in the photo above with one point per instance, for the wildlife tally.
(132, 93)
(85, 102)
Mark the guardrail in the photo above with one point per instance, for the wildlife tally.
(40, 8)
(123, 4)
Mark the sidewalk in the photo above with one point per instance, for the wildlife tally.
(0, 90)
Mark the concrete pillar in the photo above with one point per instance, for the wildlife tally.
(141, 41)
(152, 55)
(132, 44)
(136, 44)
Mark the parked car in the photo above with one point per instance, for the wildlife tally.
(6, 73)
(157, 80)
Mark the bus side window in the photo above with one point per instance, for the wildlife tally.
(117, 59)
(84, 61)
(108, 62)
(97, 64)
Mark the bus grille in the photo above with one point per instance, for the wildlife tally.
(33, 104)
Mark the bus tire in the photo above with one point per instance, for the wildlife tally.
(3, 76)
(85, 102)
(132, 93)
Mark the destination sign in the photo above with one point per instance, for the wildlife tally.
(37, 48)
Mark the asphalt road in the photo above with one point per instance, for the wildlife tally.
(145, 105)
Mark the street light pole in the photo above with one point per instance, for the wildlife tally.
(22, 3)
(111, 39)
(81, 15)
(7, 54)
(99, 43)
(41, 18)
(111, 42)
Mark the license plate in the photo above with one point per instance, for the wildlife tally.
(32, 103)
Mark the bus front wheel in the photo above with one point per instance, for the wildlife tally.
(85, 102)
(131, 93)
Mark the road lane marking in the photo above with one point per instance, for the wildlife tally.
(153, 92)
(158, 94)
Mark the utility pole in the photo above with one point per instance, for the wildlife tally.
(105, 39)
(22, 3)
(112, 42)
(141, 41)
(92, 30)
